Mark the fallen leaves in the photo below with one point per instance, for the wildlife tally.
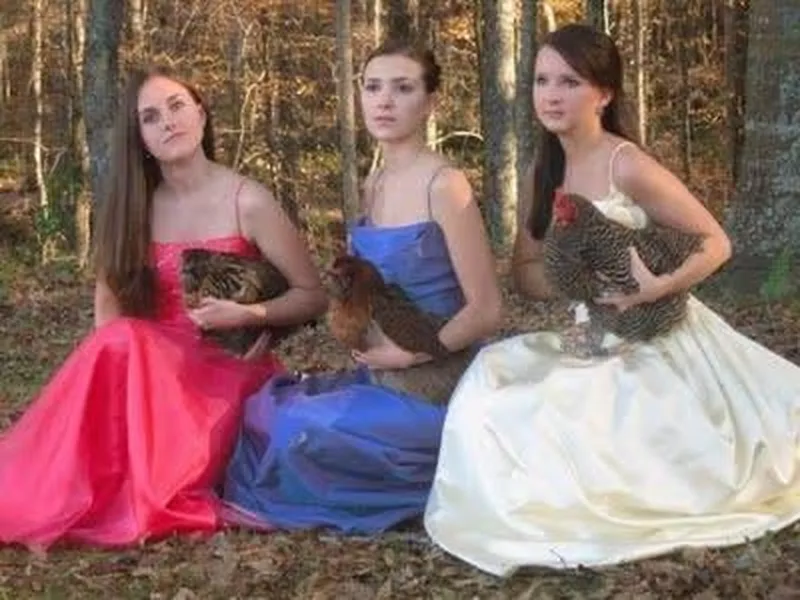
(50, 312)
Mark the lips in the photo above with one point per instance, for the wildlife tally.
(171, 137)
(385, 120)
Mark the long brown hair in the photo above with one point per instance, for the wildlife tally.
(123, 234)
(594, 56)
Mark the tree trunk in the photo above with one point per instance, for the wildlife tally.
(138, 21)
(597, 14)
(100, 76)
(763, 219)
(45, 233)
(735, 34)
(640, 26)
(80, 150)
(398, 19)
(498, 83)
(346, 109)
(523, 103)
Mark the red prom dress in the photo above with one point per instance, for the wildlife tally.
(129, 437)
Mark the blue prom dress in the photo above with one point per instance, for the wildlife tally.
(334, 450)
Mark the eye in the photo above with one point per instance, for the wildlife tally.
(372, 87)
(176, 105)
(405, 88)
(540, 80)
(149, 117)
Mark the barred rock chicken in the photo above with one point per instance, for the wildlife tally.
(586, 254)
(229, 276)
(361, 300)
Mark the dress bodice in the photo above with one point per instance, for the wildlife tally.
(166, 259)
(618, 207)
(416, 258)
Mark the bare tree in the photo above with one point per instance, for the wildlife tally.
(597, 14)
(763, 219)
(523, 104)
(498, 91)
(640, 23)
(138, 19)
(735, 33)
(346, 108)
(398, 18)
(100, 75)
(76, 46)
(37, 41)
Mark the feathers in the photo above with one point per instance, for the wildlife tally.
(586, 254)
(229, 276)
(361, 300)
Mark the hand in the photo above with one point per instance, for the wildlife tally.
(651, 287)
(385, 355)
(260, 347)
(214, 313)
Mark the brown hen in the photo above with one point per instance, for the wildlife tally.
(229, 276)
(361, 301)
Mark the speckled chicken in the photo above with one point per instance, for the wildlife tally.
(586, 254)
(361, 300)
(229, 276)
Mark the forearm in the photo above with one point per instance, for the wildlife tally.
(471, 324)
(298, 305)
(697, 267)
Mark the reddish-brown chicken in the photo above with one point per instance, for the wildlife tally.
(362, 300)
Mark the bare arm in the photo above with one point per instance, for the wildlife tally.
(667, 201)
(265, 222)
(457, 214)
(106, 306)
(527, 261)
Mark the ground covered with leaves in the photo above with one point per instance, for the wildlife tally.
(44, 312)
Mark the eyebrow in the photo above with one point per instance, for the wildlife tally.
(395, 79)
(175, 96)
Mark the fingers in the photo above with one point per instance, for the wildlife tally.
(259, 347)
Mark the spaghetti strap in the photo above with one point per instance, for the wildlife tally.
(430, 184)
(612, 188)
(236, 206)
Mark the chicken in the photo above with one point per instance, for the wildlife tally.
(361, 301)
(433, 381)
(586, 254)
(229, 276)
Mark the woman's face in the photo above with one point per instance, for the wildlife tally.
(562, 99)
(171, 122)
(393, 97)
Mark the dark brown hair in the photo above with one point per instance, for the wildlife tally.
(594, 56)
(431, 72)
(123, 234)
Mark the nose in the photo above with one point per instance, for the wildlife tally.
(167, 120)
(385, 98)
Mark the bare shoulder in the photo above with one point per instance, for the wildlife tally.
(450, 188)
(259, 211)
(633, 165)
(255, 197)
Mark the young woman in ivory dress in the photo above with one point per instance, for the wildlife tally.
(690, 440)
(129, 437)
